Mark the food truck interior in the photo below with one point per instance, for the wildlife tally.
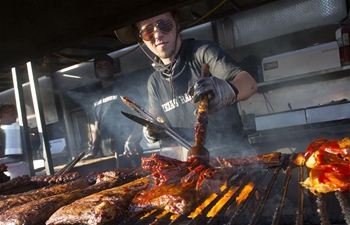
(290, 47)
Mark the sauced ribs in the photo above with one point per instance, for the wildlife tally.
(171, 197)
(38, 211)
(265, 160)
(178, 186)
(100, 207)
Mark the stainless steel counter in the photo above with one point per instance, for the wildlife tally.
(331, 118)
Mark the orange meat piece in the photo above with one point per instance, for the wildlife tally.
(329, 161)
(328, 178)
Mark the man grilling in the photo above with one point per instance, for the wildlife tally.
(176, 85)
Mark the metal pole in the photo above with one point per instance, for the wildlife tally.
(68, 126)
(22, 119)
(40, 119)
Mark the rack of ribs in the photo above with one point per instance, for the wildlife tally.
(100, 207)
(26, 183)
(40, 210)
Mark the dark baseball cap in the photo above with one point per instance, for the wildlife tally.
(103, 57)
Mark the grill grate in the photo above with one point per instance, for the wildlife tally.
(275, 197)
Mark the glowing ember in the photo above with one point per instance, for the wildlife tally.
(223, 187)
(222, 202)
(148, 214)
(174, 217)
(199, 209)
(162, 214)
(257, 195)
(244, 193)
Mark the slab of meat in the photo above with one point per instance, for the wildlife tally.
(165, 170)
(38, 211)
(264, 160)
(179, 185)
(26, 183)
(22, 198)
(174, 198)
(101, 207)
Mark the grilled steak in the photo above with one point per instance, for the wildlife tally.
(101, 207)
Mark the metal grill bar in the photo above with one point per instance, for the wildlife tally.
(265, 183)
(262, 203)
(278, 212)
(344, 206)
(300, 211)
(204, 219)
(199, 219)
(245, 203)
(321, 204)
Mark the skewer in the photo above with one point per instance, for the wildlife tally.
(201, 125)
(344, 206)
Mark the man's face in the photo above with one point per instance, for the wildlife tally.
(160, 34)
(9, 118)
(104, 70)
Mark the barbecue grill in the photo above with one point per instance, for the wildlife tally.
(259, 196)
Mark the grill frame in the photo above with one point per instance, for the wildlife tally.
(280, 183)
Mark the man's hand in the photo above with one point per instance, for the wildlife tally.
(220, 92)
(132, 148)
(154, 134)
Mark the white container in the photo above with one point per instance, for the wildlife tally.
(16, 169)
(307, 60)
(13, 143)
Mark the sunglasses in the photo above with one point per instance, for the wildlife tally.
(165, 26)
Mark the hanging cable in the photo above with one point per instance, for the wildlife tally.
(207, 14)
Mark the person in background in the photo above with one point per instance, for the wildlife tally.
(8, 116)
(176, 84)
(112, 131)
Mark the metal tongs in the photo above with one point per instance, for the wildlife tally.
(148, 120)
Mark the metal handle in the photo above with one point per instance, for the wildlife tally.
(177, 138)
(70, 165)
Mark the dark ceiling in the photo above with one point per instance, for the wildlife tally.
(57, 34)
